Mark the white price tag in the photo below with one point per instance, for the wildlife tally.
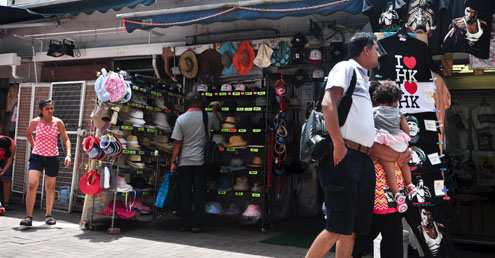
(428, 93)
(434, 158)
(431, 125)
(438, 186)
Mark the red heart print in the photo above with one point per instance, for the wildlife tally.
(411, 87)
(410, 62)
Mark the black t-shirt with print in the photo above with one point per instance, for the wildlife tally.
(418, 129)
(470, 32)
(385, 15)
(446, 11)
(408, 60)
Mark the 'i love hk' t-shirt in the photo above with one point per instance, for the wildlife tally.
(404, 60)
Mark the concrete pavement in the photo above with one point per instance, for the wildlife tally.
(137, 239)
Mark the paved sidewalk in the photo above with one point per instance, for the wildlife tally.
(145, 239)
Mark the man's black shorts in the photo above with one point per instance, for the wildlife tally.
(349, 192)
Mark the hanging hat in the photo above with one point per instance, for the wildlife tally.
(253, 210)
(168, 57)
(243, 58)
(213, 208)
(115, 86)
(315, 56)
(161, 122)
(298, 57)
(101, 116)
(132, 142)
(300, 78)
(281, 55)
(232, 210)
(257, 187)
(257, 162)
(226, 87)
(241, 184)
(210, 65)
(100, 91)
(298, 41)
(262, 59)
(188, 64)
(236, 141)
(224, 183)
(239, 87)
(227, 52)
(318, 74)
(218, 139)
(229, 123)
(136, 117)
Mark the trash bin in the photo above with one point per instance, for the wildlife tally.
(378, 240)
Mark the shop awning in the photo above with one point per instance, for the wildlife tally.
(87, 7)
(240, 10)
(13, 15)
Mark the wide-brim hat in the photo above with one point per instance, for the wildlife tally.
(229, 123)
(235, 141)
(188, 64)
(244, 57)
(257, 162)
(145, 142)
(227, 52)
(210, 65)
(253, 210)
(132, 142)
(262, 59)
(242, 184)
(168, 57)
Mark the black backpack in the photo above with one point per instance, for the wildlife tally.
(315, 140)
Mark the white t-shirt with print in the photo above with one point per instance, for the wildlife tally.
(359, 126)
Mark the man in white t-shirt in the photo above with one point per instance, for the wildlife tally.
(347, 175)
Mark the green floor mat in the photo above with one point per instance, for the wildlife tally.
(301, 235)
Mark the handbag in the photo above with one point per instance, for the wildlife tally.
(212, 154)
(315, 141)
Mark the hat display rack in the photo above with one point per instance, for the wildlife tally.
(131, 148)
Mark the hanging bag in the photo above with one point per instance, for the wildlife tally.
(315, 140)
(161, 198)
(212, 154)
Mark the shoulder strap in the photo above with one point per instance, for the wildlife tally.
(352, 85)
(205, 123)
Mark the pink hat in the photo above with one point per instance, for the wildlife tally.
(115, 86)
(253, 210)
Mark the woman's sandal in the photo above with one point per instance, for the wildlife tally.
(6, 205)
(49, 220)
(27, 221)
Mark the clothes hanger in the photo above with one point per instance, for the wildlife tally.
(402, 33)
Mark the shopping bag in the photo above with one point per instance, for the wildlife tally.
(161, 198)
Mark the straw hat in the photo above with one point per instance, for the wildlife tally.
(132, 142)
(168, 57)
(257, 162)
(145, 142)
(161, 143)
(241, 184)
(210, 65)
(262, 59)
(188, 64)
(236, 141)
(229, 123)
(243, 58)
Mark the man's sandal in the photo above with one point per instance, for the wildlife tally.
(27, 221)
(49, 220)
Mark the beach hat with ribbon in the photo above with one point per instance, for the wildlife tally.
(227, 51)
(236, 141)
(243, 58)
(242, 184)
(229, 123)
(262, 59)
(257, 162)
(210, 65)
(188, 64)
(136, 117)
